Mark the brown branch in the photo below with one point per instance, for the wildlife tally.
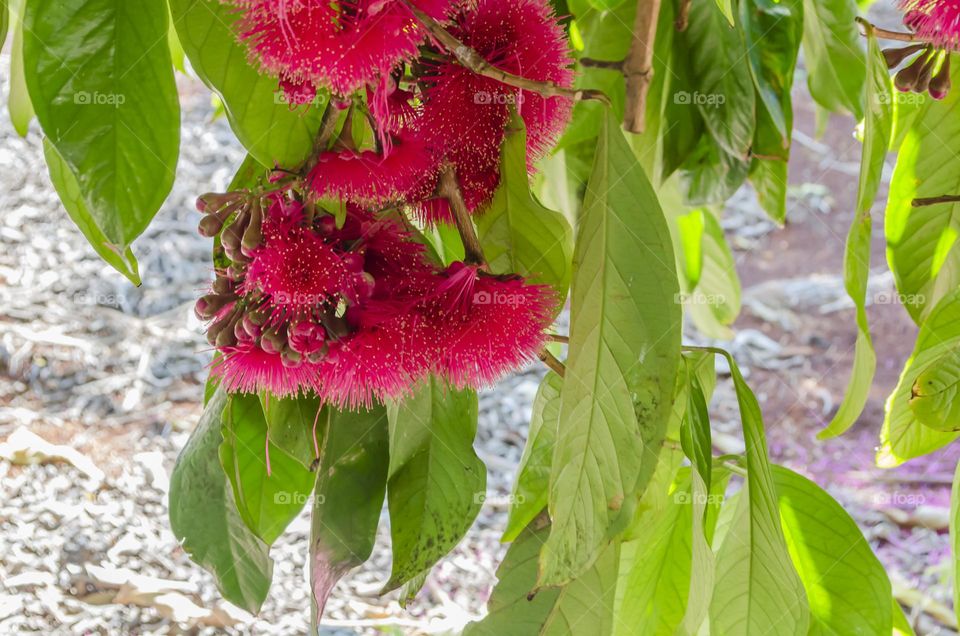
(551, 361)
(638, 67)
(946, 198)
(555, 337)
(683, 15)
(450, 190)
(475, 62)
(884, 33)
(589, 62)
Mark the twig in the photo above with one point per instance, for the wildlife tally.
(589, 62)
(555, 337)
(884, 33)
(683, 15)
(450, 190)
(946, 198)
(328, 125)
(476, 63)
(638, 67)
(551, 361)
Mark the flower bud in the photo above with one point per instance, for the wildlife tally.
(895, 57)
(940, 84)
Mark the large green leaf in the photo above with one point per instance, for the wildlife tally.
(18, 101)
(68, 189)
(725, 93)
(4, 21)
(921, 240)
(878, 126)
(266, 126)
(582, 608)
(714, 303)
(269, 486)
(710, 175)
(934, 402)
(204, 517)
(903, 436)
(293, 424)
(530, 491)
(518, 234)
(100, 77)
(847, 587)
(351, 482)
(624, 355)
(758, 589)
(836, 69)
(437, 483)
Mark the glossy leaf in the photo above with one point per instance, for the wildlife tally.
(205, 520)
(437, 483)
(695, 434)
(518, 234)
(351, 483)
(878, 126)
(530, 491)
(624, 355)
(294, 426)
(100, 77)
(758, 589)
(904, 437)
(836, 68)
(847, 587)
(934, 402)
(68, 190)
(266, 126)
(269, 486)
(18, 101)
(4, 21)
(724, 92)
(921, 240)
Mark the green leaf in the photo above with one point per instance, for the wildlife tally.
(68, 189)
(714, 304)
(691, 228)
(266, 126)
(100, 77)
(204, 517)
(18, 101)
(269, 495)
(437, 483)
(934, 402)
(901, 626)
(292, 425)
(518, 235)
(770, 179)
(904, 437)
(624, 355)
(351, 483)
(695, 434)
(847, 586)
(878, 126)
(710, 175)
(530, 491)
(758, 591)
(703, 561)
(773, 31)
(725, 94)
(4, 21)
(921, 240)
(582, 608)
(836, 68)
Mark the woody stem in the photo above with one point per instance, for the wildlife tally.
(884, 34)
(450, 190)
(551, 361)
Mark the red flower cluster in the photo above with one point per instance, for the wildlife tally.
(354, 313)
(430, 113)
(934, 21)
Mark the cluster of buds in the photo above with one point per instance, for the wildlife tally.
(354, 311)
(927, 72)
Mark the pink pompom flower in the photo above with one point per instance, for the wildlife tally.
(934, 21)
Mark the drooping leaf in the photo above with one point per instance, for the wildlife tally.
(703, 560)
(351, 483)
(624, 355)
(4, 21)
(758, 589)
(105, 96)
(846, 585)
(68, 190)
(710, 175)
(530, 491)
(269, 486)
(204, 517)
(437, 483)
(266, 126)
(878, 126)
(903, 436)
(695, 434)
(725, 94)
(293, 425)
(18, 101)
(518, 234)
(836, 68)
(921, 240)
(934, 402)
